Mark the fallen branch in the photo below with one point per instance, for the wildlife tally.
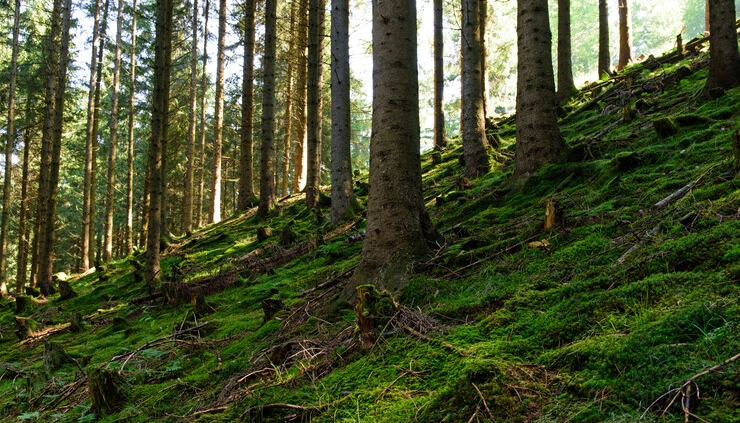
(330, 283)
(675, 196)
(156, 341)
(210, 411)
(485, 404)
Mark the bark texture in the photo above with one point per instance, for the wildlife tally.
(130, 162)
(538, 139)
(625, 36)
(314, 86)
(724, 65)
(246, 158)
(605, 61)
(299, 151)
(187, 195)
(440, 139)
(219, 114)
(267, 159)
(566, 86)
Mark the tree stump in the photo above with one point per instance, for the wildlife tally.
(550, 221)
(26, 328)
(65, 290)
(200, 306)
(21, 303)
(106, 391)
(287, 236)
(625, 161)
(665, 127)
(437, 157)
(263, 232)
(75, 323)
(271, 306)
(55, 357)
(374, 310)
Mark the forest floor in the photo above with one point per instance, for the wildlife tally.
(627, 309)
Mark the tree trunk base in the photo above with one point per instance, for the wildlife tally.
(106, 391)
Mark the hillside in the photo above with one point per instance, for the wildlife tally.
(626, 309)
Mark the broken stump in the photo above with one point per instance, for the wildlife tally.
(106, 391)
(271, 306)
(55, 356)
(26, 328)
(665, 127)
(200, 306)
(263, 232)
(374, 310)
(65, 290)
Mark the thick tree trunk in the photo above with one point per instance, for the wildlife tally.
(288, 119)
(605, 61)
(246, 172)
(204, 87)
(267, 159)
(341, 160)
(724, 64)
(566, 86)
(23, 227)
(314, 85)
(440, 140)
(9, 146)
(219, 114)
(187, 195)
(132, 113)
(300, 88)
(159, 125)
(397, 222)
(625, 37)
(538, 139)
(111, 185)
(473, 91)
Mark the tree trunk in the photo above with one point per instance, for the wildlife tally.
(314, 84)
(104, 386)
(267, 159)
(187, 195)
(473, 91)
(159, 125)
(566, 86)
(605, 61)
(397, 223)
(724, 65)
(111, 185)
(440, 140)
(132, 112)
(86, 242)
(341, 159)
(9, 145)
(625, 37)
(288, 119)
(204, 87)
(23, 228)
(707, 21)
(538, 139)
(246, 173)
(300, 88)
(219, 114)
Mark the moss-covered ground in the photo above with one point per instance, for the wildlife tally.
(626, 310)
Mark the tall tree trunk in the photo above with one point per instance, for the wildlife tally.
(566, 86)
(159, 125)
(246, 173)
(341, 159)
(204, 87)
(299, 152)
(473, 91)
(187, 195)
(23, 227)
(625, 37)
(397, 223)
(538, 139)
(9, 145)
(440, 140)
(314, 85)
(605, 61)
(131, 108)
(219, 112)
(267, 159)
(707, 21)
(52, 141)
(288, 120)
(483, 19)
(111, 185)
(86, 241)
(724, 64)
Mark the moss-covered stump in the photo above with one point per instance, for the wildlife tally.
(665, 127)
(22, 303)
(26, 328)
(200, 306)
(271, 306)
(263, 232)
(55, 357)
(287, 236)
(106, 391)
(75, 322)
(374, 310)
(65, 290)
(625, 161)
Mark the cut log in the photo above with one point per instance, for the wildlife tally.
(106, 391)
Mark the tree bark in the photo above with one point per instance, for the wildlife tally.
(246, 173)
(473, 91)
(605, 61)
(300, 88)
(9, 146)
(23, 228)
(159, 125)
(440, 140)
(187, 195)
(111, 185)
(132, 113)
(219, 114)
(724, 64)
(625, 37)
(538, 139)
(341, 159)
(314, 85)
(397, 223)
(566, 86)
(267, 159)
(204, 87)
(288, 119)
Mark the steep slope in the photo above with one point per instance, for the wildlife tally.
(626, 309)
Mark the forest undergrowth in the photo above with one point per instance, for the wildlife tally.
(626, 309)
